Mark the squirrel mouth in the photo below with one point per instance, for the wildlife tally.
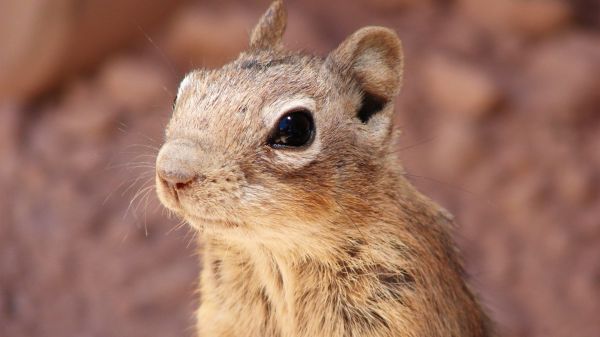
(177, 201)
(174, 194)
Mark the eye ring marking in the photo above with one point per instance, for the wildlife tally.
(294, 130)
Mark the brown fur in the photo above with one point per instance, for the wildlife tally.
(329, 240)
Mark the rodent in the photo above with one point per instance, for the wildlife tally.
(285, 163)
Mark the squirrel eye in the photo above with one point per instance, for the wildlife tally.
(294, 129)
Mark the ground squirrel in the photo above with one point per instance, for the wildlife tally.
(285, 164)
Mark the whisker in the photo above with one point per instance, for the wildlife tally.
(160, 53)
(136, 196)
(144, 155)
(134, 183)
(178, 226)
(193, 238)
(134, 206)
(419, 143)
(451, 186)
(132, 166)
(168, 92)
(124, 237)
(148, 194)
(145, 146)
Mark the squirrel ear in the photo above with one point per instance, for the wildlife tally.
(373, 56)
(267, 34)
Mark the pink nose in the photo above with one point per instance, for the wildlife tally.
(177, 164)
(177, 179)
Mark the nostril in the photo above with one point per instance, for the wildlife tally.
(176, 179)
(181, 186)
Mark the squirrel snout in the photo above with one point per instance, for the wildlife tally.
(175, 165)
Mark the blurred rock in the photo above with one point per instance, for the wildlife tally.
(576, 185)
(44, 43)
(387, 5)
(587, 13)
(306, 35)
(501, 249)
(540, 17)
(135, 85)
(531, 17)
(87, 113)
(558, 82)
(198, 37)
(462, 89)
(458, 148)
(10, 127)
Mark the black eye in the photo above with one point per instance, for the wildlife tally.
(294, 129)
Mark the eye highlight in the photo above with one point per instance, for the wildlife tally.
(292, 130)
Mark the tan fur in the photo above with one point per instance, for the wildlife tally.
(329, 240)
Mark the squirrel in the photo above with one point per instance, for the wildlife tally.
(285, 164)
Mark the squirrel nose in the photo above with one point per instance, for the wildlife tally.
(176, 179)
(176, 164)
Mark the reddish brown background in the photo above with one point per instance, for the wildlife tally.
(501, 121)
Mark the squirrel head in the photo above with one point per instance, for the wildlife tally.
(278, 143)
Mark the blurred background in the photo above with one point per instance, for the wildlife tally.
(500, 114)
